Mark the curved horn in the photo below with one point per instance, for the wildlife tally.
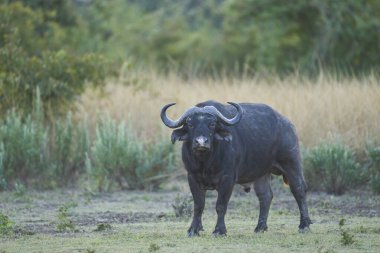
(226, 121)
(174, 123)
(207, 109)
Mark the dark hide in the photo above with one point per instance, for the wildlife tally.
(262, 143)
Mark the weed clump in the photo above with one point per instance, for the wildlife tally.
(153, 247)
(103, 227)
(182, 206)
(6, 225)
(346, 237)
(65, 224)
(373, 154)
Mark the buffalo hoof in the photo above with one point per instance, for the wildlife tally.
(220, 232)
(194, 231)
(304, 230)
(261, 228)
(304, 226)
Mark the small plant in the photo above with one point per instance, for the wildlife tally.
(332, 167)
(182, 206)
(19, 189)
(346, 237)
(103, 227)
(6, 225)
(64, 222)
(153, 247)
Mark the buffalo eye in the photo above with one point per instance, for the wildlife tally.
(212, 125)
(190, 126)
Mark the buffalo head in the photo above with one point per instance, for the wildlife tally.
(201, 126)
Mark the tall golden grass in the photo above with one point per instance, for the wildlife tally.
(321, 109)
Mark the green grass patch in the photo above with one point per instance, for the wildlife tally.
(149, 225)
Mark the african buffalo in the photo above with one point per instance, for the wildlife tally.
(241, 144)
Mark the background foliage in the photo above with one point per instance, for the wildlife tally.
(51, 51)
(36, 52)
(236, 36)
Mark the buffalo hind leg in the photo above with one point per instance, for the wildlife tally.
(199, 196)
(294, 175)
(264, 194)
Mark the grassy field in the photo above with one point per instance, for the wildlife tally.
(324, 108)
(145, 222)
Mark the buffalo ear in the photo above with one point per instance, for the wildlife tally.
(223, 135)
(179, 135)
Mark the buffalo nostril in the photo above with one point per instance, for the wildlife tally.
(201, 140)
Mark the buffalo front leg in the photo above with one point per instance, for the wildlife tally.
(199, 204)
(264, 194)
(224, 193)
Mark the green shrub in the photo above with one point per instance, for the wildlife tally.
(35, 52)
(159, 161)
(39, 154)
(332, 167)
(119, 155)
(24, 143)
(373, 153)
(113, 155)
(68, 150)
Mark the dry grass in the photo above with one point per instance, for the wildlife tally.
(321, 109)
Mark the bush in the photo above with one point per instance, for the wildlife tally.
(118, 155)
(332, 167)
(114, 156)
(70, 142)
(23, 149)
(158, 163)
(35, 53)
(59, 76)
(373, 154)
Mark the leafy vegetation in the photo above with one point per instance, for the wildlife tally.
(35, 55)
(212, 36)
